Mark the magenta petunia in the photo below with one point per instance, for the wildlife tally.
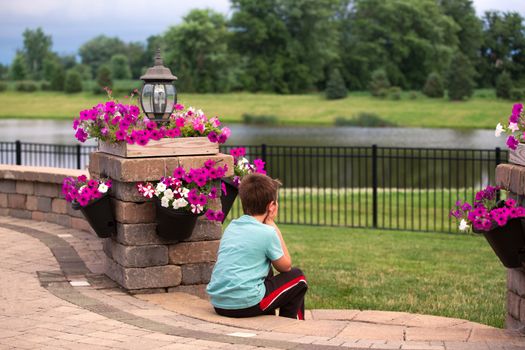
(512, 142)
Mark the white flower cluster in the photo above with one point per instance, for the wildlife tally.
(168, 196)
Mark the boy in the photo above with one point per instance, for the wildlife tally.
(242, 283)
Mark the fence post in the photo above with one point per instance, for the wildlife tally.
(79, 156)
(374, 186)
(18, 148)
(263, 152)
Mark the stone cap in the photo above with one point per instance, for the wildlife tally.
(511, 177)
(38, 174)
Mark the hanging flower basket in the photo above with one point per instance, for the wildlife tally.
(508, 242)
(228, 195)
(99, 215)
(174, 224)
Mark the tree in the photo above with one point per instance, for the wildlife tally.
(197, 51)
(37, 46)
(98, 51)
(73, 81)
(4, 70)
(104, 78)
(18, 69)
(460, 78)
(120, 67)
(58, 77)
(336, 88)
(504, 85)
(379, 83)
(84, 71)
(434, 86)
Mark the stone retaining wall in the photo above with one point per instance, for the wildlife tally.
(35, 193)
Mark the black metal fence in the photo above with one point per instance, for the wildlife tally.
(380, 187)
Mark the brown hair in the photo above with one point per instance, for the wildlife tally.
(256, 192)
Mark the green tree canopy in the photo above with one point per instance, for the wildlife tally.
(37, 46)
(460, 78)
(18, 69)
(120, 67)
(98, 51)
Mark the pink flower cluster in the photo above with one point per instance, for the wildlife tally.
(243, 167)
(117, 122)
(486, 212)
(82, 190)
(515, 128)
(188, 190)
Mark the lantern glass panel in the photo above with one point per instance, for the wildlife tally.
(159, 99)
(171, 98)
(147, 98)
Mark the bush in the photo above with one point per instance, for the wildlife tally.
(394, 93)
(26, 86)
(336, 88)
(120, 67)
(73, 82)
(58, 76)
(45, 86)
(365, 119)
(517, 94)
(413, 95)
(460, 78)
(504, 85)
(259, 119)
(379, 83)
(104, 79)
(434, 86)
(3, 86)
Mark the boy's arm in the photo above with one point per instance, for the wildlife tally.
(284, 263)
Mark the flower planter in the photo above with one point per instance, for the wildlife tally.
(174, 224)
(99, 215)
(517, 156)
(161, 148)
(231, 193)
(508, 242)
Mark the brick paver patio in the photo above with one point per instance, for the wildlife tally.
(53, 295)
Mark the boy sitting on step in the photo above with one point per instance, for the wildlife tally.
(242, 283)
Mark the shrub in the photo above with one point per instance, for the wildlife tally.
(460, 78)
(3, 86)
(58, 75)
(504, 85)
(365, 119)
(434, 86)
(379, 83)
(45, 86)
(73, 82)
(413, 95)
(104, 79)
(259, 119)
(26, 86)
(517, 94)
(120, 67)
(394, 93)
(336, 88)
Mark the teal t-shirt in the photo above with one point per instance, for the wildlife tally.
(245, 253)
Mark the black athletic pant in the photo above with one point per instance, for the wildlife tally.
(284, 292)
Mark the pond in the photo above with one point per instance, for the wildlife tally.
(61, 132)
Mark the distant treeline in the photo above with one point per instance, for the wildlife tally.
(297, 46)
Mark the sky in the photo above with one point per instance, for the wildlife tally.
(73, 22)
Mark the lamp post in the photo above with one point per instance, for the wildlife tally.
(158, 96)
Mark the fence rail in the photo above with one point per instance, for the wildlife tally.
(379, 187)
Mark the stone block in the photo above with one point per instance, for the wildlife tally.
(4, 211)
(3, 200)
(134, 213)
(43, 204)
(72, 212)
(188, 162)
(31, 203)
(198, 290)
(515, 179)
(516, 281)
(522, 311)
(140, 234)
(196, 273)
(25, 187)
(503, 175)
(144, 278)
(512, 323)
(513, 304)
(20, 213)
(205, 230)
(16, 201)
(193, 252)
(107, 247)
(47, 190)
(81, 224)
(127, 192)
(59, 206)
(38, 216)
(59, 219)
(139, 256)
(7, 186)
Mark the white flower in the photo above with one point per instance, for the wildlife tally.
(179, 203)
(463, 226)
(196, 209)
(161, 187)
(81, 188)
(199, 112)
(165, 202)
(499, 130)
(513, 127)
(103, 188)
(184, 192)
(168, 193)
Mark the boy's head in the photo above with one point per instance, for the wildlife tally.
(257, 192)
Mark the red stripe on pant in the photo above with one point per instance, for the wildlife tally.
(268, 300)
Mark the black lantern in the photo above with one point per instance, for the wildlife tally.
(158, 96)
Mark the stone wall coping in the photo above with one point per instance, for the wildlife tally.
(37, 174)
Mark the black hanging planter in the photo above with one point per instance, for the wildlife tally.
(228, 200)
(99, 215)
(508, 242)
(174, 224)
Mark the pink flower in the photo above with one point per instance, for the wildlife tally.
(212, 136)
(215, 122)
(179, 173)
(81, 135)
(82, 178)
(120, 135)
(198, 126)
(180, 122)
(512, 142)
(76, 122)
(179, 107)
(210, 163)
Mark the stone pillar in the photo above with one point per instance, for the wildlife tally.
(512, 178)
(137, 258)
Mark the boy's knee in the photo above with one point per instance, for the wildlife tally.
(296, 272)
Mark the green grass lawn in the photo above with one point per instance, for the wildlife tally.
(428, 273)
(482, 111)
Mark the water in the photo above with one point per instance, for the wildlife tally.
(61, 132)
